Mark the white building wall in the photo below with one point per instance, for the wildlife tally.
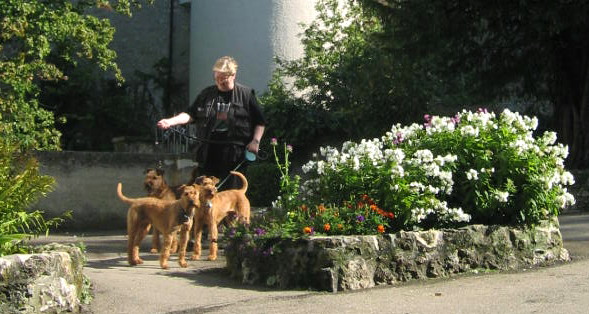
(251, 31)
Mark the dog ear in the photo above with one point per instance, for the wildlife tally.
(160, 172)
(198, 180)
(215, 180)
(148, 170)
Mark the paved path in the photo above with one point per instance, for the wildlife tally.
(204, 287)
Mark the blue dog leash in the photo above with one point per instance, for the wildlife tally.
(249, 156)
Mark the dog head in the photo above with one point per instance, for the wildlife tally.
(189, 200)
(207, 185)
(154, 181)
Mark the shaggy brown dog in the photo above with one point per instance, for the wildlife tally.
(156, 186)
(214, 208)
(169, 217)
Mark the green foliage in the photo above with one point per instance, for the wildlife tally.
(263, 178)
(21, 186)
(347, 85)
(532, 51)
(474, 167)
(88, 101)
(33, 35)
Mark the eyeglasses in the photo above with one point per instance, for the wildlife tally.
(223, 76)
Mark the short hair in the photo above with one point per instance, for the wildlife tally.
(225, 64)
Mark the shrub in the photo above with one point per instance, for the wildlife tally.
(263, 179)
(475, 167)
(20, 186)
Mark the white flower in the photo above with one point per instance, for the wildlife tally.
(416, 186)
(397, 172)
(469, 130)
(501, 196)
(472, 174)
(565, 199)
(567, 178)
(356, 163)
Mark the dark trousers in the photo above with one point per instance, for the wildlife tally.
(222, 158)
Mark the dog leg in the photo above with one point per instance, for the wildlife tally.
(155, 241)
(184, 236)
(213, 237)
(138, 233)
(198, 225)
(174, 248)
(165, 254)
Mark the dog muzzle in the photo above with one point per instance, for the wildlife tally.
(183, 218)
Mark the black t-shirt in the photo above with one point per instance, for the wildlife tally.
(209, 110)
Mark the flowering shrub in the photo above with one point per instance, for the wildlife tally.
(475, 167)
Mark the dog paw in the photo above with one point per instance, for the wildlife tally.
(195, 257)
(183, 264)
(212, 258)
(164, 265)
(153, 251)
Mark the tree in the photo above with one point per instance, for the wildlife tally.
(528, 48)
(34, 35)
(346, 85)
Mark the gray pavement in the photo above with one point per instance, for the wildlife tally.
(204, 287)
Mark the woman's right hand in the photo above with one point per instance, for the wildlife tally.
(164, 124)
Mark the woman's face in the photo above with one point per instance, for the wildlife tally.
(224, 81)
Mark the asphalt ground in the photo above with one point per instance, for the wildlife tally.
(205, 287)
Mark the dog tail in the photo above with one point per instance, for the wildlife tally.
(244, 184)
(121, 196)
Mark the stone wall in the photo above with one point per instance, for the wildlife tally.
(356, 262)
(51, 281)
(86, 184)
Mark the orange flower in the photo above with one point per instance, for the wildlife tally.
(374, 207)
(380, 228)
(340, 226)
(304, 207)
(307, 230)
(321, 208)
(326, 227)
(390, 215)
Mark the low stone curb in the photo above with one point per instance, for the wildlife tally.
(339, 263)
(51, 281)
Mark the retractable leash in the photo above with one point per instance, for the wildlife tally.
(249, 156)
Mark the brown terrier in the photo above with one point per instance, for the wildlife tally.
(169, 217)
(214, 208)
(156, 186)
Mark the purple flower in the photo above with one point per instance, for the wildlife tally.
(456, 119)
(360, 218)
(428, 121)
(259, 231)
(398, 138)
(274, 141)
(289, 148)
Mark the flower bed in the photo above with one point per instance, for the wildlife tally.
(336, 263)
(476, 190)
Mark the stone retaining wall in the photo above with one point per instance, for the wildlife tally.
(51, 281)
(356, 262)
